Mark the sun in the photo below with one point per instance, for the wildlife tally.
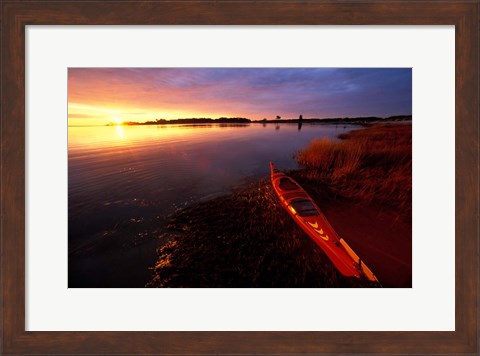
(116, 120)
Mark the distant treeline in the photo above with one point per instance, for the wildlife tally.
(242, 120)
(342, 120)
(201, 120)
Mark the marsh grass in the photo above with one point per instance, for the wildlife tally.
(372, 165)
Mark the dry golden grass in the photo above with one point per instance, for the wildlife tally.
(372, 164)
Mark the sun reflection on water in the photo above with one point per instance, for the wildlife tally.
(120, 132)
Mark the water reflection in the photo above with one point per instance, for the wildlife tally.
(120, 173)
(120, 131)
(172, 163)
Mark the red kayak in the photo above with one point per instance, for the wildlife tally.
(308, 216)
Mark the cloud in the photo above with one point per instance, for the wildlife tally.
(250, 92)
(81, 116)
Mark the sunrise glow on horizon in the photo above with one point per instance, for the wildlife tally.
(99, 96)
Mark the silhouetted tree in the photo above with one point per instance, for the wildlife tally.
(278, 117)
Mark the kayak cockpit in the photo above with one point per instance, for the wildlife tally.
(304, 207)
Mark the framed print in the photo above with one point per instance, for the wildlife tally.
(234, 278)
(126, 125)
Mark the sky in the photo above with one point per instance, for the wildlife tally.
(97, 96)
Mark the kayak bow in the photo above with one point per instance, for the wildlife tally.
(308, 216)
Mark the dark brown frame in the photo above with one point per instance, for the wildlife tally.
(464, 14)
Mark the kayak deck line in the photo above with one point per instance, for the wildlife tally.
(303, 209)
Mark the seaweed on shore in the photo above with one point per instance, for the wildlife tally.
(245, 239)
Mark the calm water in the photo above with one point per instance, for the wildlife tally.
(121, 177)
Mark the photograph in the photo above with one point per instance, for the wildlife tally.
(239, 177)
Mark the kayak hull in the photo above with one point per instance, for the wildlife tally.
(303, 209)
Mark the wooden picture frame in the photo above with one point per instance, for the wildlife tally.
(464, 14)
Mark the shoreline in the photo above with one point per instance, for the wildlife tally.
(246, 239)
